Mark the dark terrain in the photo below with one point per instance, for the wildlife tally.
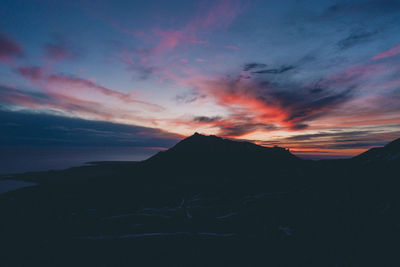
(209, 201)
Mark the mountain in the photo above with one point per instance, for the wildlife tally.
(388, 154)
(211, 148)
(215, 158)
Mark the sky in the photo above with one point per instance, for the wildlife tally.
(321, 78)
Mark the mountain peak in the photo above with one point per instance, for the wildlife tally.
(209, 152)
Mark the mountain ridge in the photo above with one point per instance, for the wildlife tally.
(216, 144)
(388, 153)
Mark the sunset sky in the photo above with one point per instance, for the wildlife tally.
(319, 77)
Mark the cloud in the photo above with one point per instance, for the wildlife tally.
(347, 9)
(33, 73)
(355, 38)
(316, 90)
(21, 128)
(59, 50)
(9, 49)
(259, 104)
(207, 119)
(282, 69)
(138, 61)
(313, 137)
(340, 142)
(70, 105)
(77, 87)
(253, 65)
(235, 129)
(189, 97)
(286, 104)
(164, 46)
(232, 126)
(389, 53)
(53, 102)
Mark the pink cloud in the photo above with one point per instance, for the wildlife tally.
(221, 15)
(391, 52)
(32, 73)
(165, 47)
(9, 49)
(65, 104)
(62, 84)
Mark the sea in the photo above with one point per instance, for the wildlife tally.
(27, 159)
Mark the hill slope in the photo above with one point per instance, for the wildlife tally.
(390, 153)
(200, 155)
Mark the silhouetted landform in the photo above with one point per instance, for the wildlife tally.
(204, 159)
(208, 201)
(389, 154)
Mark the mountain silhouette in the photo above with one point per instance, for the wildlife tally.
(212, 158)
(389, 154)
(212, 149)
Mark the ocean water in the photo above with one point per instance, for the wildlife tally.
(19, 160)
(10, 185)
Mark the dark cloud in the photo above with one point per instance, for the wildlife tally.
(345, 134)
(207, 119)
(36, 129)
(302, 106)
(144, 72)
(299, 104)
(189, 97)
(371, 7)
(300, 126)
(251, 66)
(12, 96)
(316, 90)
(357, 145)
(233, 129)
(9, 48)
(355, 38)
(274, 71)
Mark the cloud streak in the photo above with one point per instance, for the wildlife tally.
(389, 53)
(69, 85)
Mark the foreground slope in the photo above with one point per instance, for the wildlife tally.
(207, 201)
